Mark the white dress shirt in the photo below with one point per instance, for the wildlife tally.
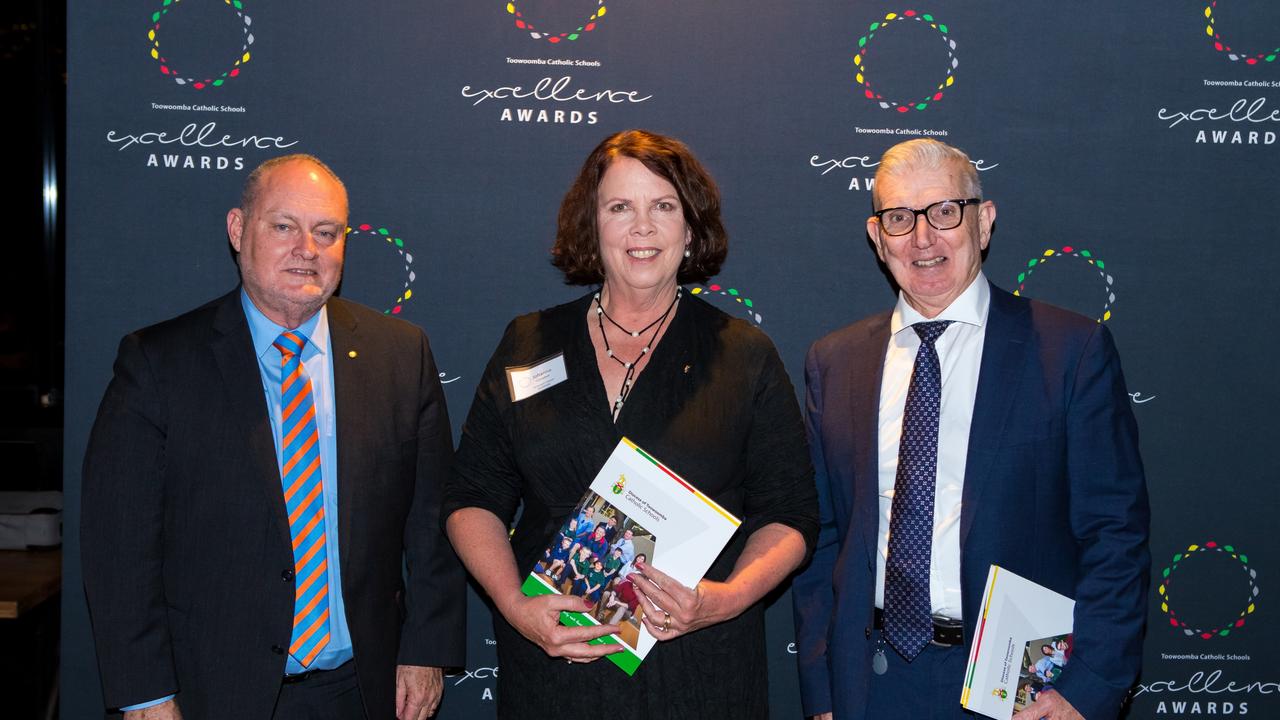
(960, 356)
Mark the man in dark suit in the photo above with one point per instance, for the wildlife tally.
(966, 427)
(262, 472)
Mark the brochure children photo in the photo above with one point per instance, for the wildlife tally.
(1022, 642)
(635, 509)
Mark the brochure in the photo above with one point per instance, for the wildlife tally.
(1022, 643)
(635, 508)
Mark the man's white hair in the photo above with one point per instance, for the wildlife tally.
(925, 154)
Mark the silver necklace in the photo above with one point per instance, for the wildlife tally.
(629, 379)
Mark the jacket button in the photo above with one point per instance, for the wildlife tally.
(867, 631)
(287, 575)
(277, 649)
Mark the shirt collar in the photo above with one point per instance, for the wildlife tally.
(264, 331)
(970, 308)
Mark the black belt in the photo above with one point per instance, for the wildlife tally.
(946, 632)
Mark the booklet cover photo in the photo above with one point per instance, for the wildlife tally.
(635, 509)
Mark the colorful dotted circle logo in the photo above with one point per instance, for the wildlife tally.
(747, 303)
(862, 74)
(1108, 288)
(197, 82)
(1223, 46)
(370, 231)
(1167, 585)
(552, 37)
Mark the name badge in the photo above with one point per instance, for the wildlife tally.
(528, 380)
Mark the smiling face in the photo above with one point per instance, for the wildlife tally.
(291, 241)
(933, 267)
(641, 227)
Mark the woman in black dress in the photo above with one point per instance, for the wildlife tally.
(703, 392)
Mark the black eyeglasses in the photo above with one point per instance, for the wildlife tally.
(942, 215)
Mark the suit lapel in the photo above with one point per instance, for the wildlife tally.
(348, 387)
(242, 382)
(867, 370)
(1008, 329)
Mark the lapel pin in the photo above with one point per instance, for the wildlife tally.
(352, 353)
(686, 369)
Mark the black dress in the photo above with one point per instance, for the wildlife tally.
(714, 404)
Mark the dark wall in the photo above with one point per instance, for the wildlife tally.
(32, 74)
(1134, 165)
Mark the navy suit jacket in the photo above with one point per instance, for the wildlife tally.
(1053, 491)
(185, 538)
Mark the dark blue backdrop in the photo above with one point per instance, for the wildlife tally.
(1131, 148)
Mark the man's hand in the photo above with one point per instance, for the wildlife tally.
(418, 691)
(167, 710)
(822, 716)
(1049, 705)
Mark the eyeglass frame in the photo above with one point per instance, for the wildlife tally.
(879, 215)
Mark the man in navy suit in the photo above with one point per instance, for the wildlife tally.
(998, 432)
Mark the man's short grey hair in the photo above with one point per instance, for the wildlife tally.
(925, 154)
(253, 183)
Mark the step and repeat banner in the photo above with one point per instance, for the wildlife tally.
(1131, 149)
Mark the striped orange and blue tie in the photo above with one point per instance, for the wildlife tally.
(304, 501)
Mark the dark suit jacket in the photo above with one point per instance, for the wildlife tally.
(1053, 490)
(185, 541)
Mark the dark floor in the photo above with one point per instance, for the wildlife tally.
(29, 662)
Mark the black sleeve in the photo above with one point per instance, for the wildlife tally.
(434, 630)
(779, 485)
(484, 473)
(122, 534)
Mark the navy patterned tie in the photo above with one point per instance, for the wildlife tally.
(908, 621)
